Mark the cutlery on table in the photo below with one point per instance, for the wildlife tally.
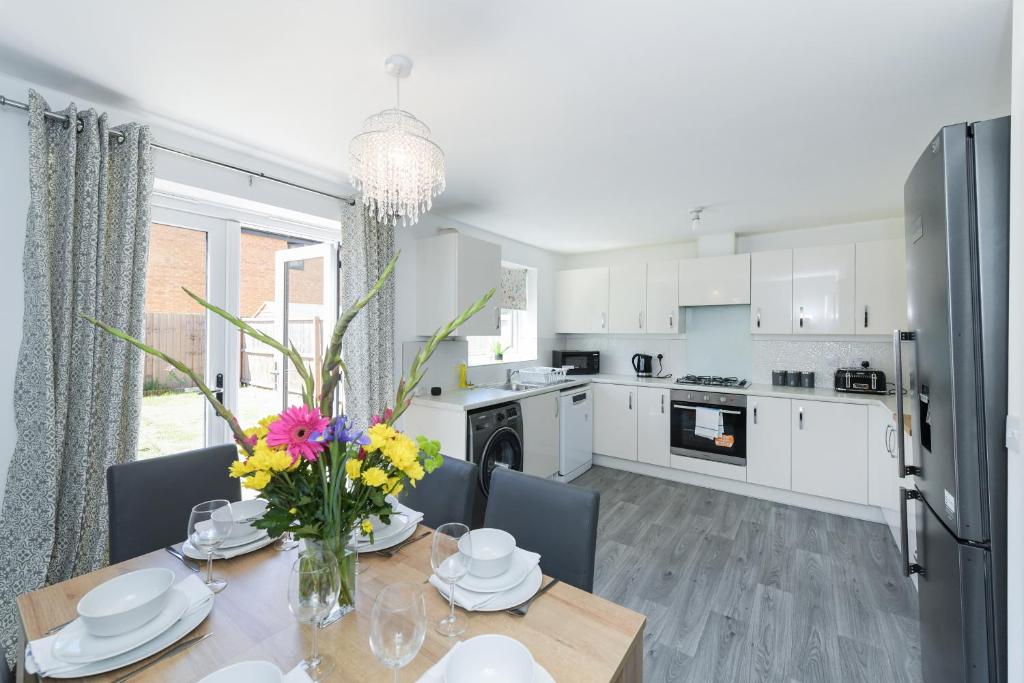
(184, 560)
(520, 609)
(184, 645)
(391, 552)
(58, 627)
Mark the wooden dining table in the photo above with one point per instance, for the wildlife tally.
(575, 635)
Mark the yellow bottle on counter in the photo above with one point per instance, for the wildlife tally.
(463, 379)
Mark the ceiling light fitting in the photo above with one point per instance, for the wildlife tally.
(394, 164)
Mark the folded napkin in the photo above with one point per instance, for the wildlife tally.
(472, 600)
(39, 657)
(709, 423)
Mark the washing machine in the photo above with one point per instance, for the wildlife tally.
(495, 439)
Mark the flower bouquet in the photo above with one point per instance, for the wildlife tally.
(321, 475)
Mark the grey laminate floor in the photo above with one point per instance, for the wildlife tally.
(741, 589)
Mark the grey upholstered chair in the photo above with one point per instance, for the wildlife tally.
(6, 675)
(149, 501)
(554, 519)
(446, 495)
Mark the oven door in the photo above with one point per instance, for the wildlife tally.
(731, 448)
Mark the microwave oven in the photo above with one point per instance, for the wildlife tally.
(577, 362)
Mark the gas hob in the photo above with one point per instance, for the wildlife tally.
(712, 381)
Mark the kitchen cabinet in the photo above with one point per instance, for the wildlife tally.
(883, 480)
(626, 299)
(581, 300)
(829, 450)
(768, 442)
(771, 292)
(662, 310)
(823, 289)
(615, 421)
(715, 280)
(653, 426)
(540, 434)
(881, 287)
(453, 271)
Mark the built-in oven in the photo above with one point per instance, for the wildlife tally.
(722, 434)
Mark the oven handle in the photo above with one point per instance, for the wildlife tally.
(686, 407)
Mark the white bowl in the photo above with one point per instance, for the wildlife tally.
(246, 672)
(244, 513)
(489, 659)
(491, 554)
(125, 602)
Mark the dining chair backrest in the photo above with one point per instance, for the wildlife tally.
(6, 676)
(548, 517)
(445, 495)
(149, 501)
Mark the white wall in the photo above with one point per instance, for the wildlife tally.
(14, 204)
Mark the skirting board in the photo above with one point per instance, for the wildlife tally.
(803, 500)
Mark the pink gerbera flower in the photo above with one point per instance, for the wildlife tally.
(293, 429)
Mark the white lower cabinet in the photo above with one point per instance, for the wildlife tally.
(883, 481)
(653, 426)
(768, 441)
(615, 421)
(540, 434)
(829, 450)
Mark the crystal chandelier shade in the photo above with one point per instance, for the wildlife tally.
(395, 166)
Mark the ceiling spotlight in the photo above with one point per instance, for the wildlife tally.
(695, 217)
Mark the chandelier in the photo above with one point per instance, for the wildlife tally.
(394, 164)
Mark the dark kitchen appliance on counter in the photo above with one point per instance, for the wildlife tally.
(862, 380)
(712, 381)
(730, 447)
(956, 203)
(643, 365)
(578, 362)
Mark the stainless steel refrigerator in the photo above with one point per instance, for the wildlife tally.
(957, 236)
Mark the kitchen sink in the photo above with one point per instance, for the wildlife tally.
(510, 386)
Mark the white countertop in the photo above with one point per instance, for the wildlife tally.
(479, 397)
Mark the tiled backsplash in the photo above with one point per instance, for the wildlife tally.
(617, 351)
(823, 357)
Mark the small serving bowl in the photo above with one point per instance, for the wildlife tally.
(489, 659)
(246, 672)
(125, 602)
(243, 514)
(491, 554)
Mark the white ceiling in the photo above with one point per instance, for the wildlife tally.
(570, 125)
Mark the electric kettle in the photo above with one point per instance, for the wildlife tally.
(643, 364)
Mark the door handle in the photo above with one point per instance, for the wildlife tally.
(663, 404)
(801, 316)
(801, 417)
(219, 388)
(899, 336)
(602, 321)
(640, 320)
(631, 400)
(497, 318)
(671, 321)
(759, 318)
(908, 567)
(755, 414)
(865, 315)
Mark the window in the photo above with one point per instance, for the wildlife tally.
(518, 339)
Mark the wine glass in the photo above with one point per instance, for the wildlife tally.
(287, 542)
(209, 525)
(398, 625)
(313, 588)
(450, 565)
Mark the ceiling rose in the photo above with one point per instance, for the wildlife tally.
(394, 164)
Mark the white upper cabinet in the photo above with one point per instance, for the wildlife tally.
(581, 300)
(714, 280)
(453, 271)
(823, 289)
(771, 292)
(881, 287)
(626, 299)
(662, 315)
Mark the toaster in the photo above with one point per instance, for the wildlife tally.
(862, 380)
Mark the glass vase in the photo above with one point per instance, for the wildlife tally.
(345, 553)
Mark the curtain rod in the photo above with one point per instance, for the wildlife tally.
(65, 120)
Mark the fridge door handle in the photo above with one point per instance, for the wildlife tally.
(899, 336)
(908, 567)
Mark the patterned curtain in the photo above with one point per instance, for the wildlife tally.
(514, 288)
(369, 348)
(77, 391)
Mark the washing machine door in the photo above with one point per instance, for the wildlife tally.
(503, 449)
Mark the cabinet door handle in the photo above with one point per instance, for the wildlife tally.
(755, 414)
(759, 318)
(497, 318)
(602, 321)
(631, 400)
(640, 320)
(801, 411)
(801, 316)
(663, 404)
(671, 321)
(865, 316)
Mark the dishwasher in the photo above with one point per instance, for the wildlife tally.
(575, 433)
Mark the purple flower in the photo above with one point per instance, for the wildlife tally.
(340, 430)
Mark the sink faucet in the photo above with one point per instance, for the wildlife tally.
(509, 373)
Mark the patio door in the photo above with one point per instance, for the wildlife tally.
(306, 310)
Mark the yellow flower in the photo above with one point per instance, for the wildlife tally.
(293, 511)
(379, 435)
(367, 526)
(401, 451)
(414, 471)
(352, 468)
(375, 476)
(239, 468)
(267, 421)
(394, 485)
(256, 481)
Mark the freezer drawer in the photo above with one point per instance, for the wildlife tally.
(955, 596)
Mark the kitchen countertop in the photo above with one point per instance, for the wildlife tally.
(479, 397)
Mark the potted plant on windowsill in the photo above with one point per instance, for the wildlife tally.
(498, 350)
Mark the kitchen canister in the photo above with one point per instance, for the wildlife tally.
(778, 378)
(793, 378)
(807, 379)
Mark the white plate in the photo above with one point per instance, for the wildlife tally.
(517, 571)
(179, 630)
(515, 596)
(541, 675)
(227, 553)
(246, 672)
(387, 542)
(399, 523)
(74, 645)
(234, 542)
